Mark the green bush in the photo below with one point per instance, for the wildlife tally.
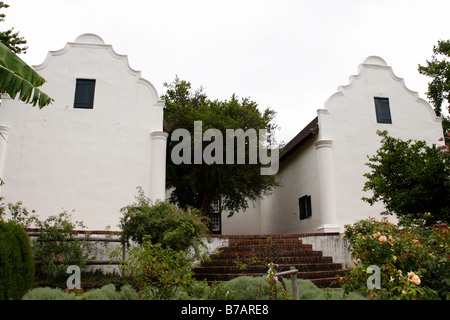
(58, 247)
(16, 261)
(47, 293)
(257, 288)
(107, 292)
(159, 272)
(165, 223)
(413, 259)
(410, 178)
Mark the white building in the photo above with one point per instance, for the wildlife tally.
(88, 151)
(322, 169)
(105, 135)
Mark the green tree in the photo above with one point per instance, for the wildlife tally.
(438, 69)
(16, 261)
(410, 179)
(10, 38)
(163, 223)
(198, 185)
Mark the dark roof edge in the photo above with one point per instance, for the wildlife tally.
(307, 133)
(166, 126)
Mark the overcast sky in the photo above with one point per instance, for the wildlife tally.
(284, 54)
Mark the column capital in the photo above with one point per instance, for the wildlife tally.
(159, 135)
(4, 128)
(329, 228)
(323, 144)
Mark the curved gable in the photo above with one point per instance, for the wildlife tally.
(376, 78)
(89, 57)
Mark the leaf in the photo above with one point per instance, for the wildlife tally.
(18, 78)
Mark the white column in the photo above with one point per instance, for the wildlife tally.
(4, 131)
(327, 198)
(158, 166)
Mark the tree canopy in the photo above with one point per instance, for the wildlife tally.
(9, 38)
(410, 178)
(438, 69)
(198, 184)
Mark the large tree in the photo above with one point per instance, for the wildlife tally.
(438, 69)
(10, 38)
(199, 181)
(410, 178)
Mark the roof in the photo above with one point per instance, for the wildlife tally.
(307, 133)
(166, 126)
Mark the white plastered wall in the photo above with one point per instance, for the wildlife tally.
(348, 122)
(87, 161)
(353, 126)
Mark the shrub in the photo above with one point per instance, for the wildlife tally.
(47, 293)
(159, 272)
(410, 178)
(257, 288)
(165, 223)
(58, 247)
(16, 261)
(107, 292)
(17, 213)
(413, 259)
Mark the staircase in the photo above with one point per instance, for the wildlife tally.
(249, 255)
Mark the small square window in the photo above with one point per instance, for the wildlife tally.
(84, 94)
(304, 204)
(383, 110)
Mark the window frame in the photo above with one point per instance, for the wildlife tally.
(305, 207)
(79, 84)
(381, 104)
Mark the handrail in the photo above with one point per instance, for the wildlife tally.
(293, 273)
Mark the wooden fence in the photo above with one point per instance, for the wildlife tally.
(91, 236)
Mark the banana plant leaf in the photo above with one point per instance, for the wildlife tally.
(19, 79)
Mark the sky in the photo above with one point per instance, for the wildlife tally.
(289, 55)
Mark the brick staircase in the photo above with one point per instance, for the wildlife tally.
(250, 254)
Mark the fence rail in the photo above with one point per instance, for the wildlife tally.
(91, 236)
(293, 274)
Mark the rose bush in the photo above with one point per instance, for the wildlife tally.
(413, 258)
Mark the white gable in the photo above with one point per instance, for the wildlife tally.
(87, 160)
(327, 164)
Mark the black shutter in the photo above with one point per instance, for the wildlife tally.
(383, 110)
(84, 94)
(308, 206)
(304, 204)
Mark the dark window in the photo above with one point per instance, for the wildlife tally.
(84, 94)
(304, 204)
(383, 110)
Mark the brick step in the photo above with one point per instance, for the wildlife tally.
(284, 250)
(234, 242)
(235, 254)
(263, 268)
(320, 274)
(263, 247)
(259, 236)
(281, 260)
